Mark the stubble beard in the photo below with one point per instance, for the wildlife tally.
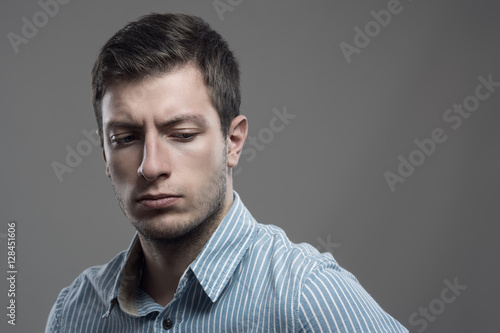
(211, 199)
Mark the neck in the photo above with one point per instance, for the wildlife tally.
(166, 261)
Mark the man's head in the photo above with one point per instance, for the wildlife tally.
(159, 43)
(166, 98)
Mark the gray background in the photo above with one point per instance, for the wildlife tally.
(320, 179)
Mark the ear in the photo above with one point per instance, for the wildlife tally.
(235, 139)
(104, 154)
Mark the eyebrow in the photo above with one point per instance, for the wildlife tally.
(198, 119)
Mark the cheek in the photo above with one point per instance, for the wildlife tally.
(202, 159)
(123, 167)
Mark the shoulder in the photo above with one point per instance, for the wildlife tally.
(90, 290)
(326, 296)
(99, 278)
(333, 300)
(297, 256)
(303, 261)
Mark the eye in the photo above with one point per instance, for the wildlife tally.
(129, 138)
(184, 136)
(123, 140)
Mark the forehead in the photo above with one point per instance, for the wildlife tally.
(175, 93)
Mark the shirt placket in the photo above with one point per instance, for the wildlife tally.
(171, 317)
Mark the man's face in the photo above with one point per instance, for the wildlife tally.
(165, 153)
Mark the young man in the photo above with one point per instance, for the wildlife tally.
(166, 98)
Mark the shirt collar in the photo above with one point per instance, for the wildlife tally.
(212, 268)
(216, 263)
(127, 280)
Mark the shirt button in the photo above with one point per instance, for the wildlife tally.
(167, 324)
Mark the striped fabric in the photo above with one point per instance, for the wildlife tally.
(249, 277)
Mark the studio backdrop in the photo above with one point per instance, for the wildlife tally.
(374, 135)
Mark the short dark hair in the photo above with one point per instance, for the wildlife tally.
(158, 43)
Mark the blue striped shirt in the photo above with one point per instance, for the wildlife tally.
(249, 277)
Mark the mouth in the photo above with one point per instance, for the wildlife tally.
(157, 201)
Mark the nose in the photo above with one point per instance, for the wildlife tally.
(154, 162)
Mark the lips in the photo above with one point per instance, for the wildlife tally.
(157, 201)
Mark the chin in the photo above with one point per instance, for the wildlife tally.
(163, 228)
